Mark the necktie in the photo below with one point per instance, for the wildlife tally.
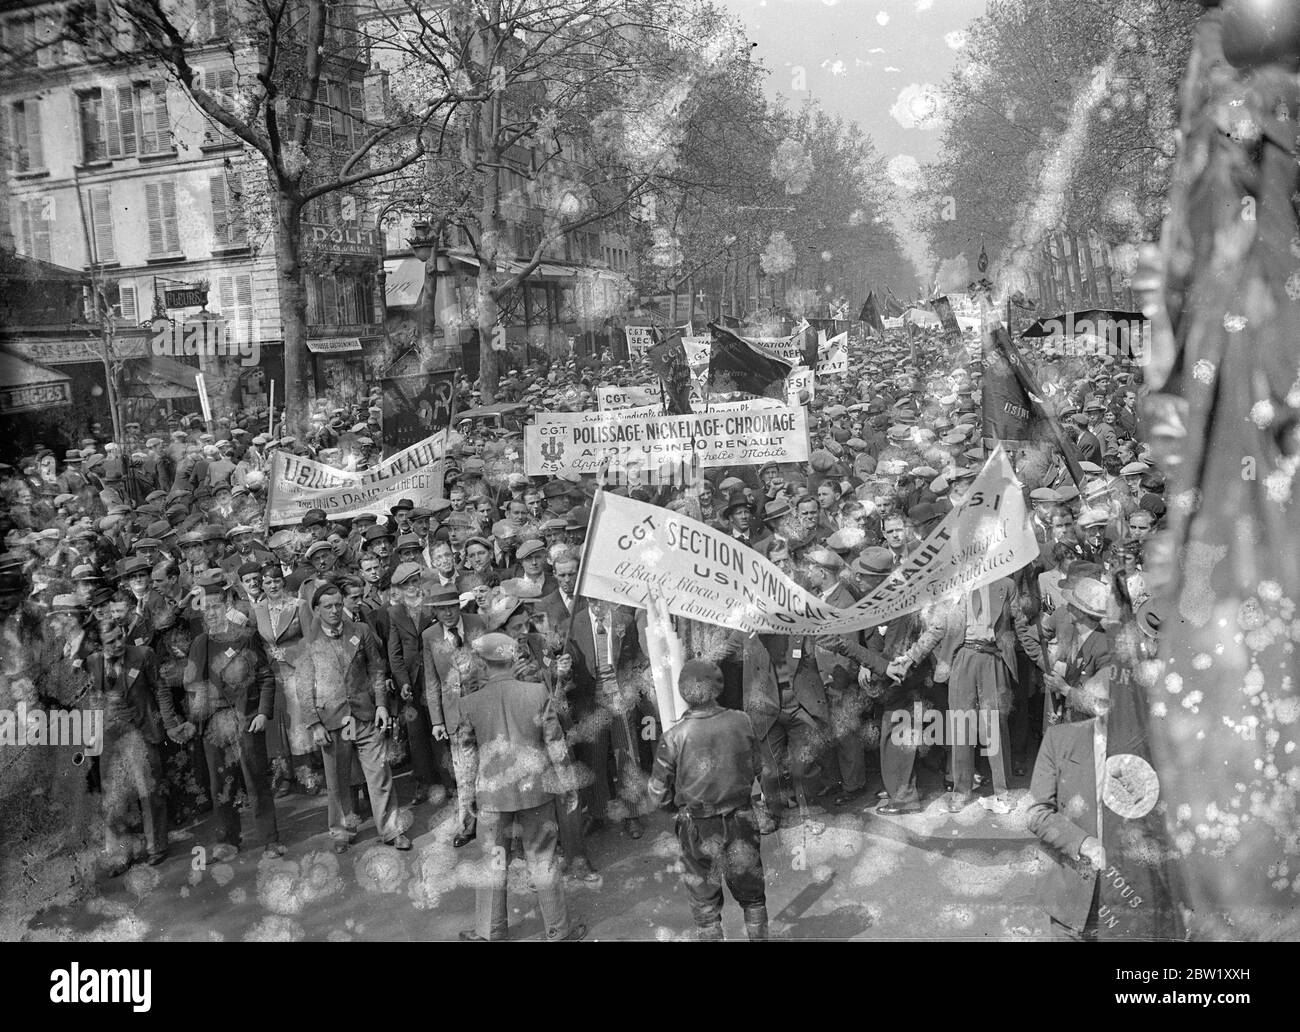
(453, 638)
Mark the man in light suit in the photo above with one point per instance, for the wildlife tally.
(979, 649)
(512, 734)
(1065, 816)
(441, 644)
(341, 686)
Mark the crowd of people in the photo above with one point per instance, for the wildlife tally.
(240, 663)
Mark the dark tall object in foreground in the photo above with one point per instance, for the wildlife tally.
(1221, 292)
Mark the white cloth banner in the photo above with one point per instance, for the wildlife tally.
(801, 379)
(297, 484)
(634, 396)
(833, 355)
(743, 435)
(637, 550)
(639, 338)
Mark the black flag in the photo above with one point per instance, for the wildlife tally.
(943, 309)
(1013, 402)
(668, 359)
(870, 313)
(734, 365)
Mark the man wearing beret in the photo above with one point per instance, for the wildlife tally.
(512, 734)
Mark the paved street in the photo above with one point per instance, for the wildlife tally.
(931, 875)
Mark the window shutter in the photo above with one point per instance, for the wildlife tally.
(126, 303)
(111, 129)
(321, 131)
(101, 220)
(153, 207)
(220, 211)
(18, 135)
(126, 117)
(162, 124)
(35, 145)
(171, 227)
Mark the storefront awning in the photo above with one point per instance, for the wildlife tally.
(28, 387)
(403, 282)
(159, 377)
(333, 345)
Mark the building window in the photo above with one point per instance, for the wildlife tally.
(338, 300)
(123, 121)
(90, 117)
(101, 226)
(220, 82)
(34, 218)
(160, 208)
(213, 21)
(127, 307)
(25, 135)
(235, 296)
(155, 123)
(228, 226)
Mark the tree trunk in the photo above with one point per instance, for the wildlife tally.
(490, 237)
(293, 313)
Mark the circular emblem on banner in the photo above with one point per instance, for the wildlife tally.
(1132, 786)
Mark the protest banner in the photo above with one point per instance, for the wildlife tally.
(636, 550)
(639, 339)
(297, 484)
(743, 435)
(634, 396)
(833, 355)
(800, 379)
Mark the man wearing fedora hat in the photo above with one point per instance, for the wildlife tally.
(1082, 648)
(739, 517)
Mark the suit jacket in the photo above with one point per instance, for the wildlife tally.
(515, 745)
(147, 704)
(443, 688)
(1010, 627)
(406, 648)
(1062, 815)
(762, 695)
(282, 635)
(363, 689)
(556, 612)
(629, 650)
(232, 672)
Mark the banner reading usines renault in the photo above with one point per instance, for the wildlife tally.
(572, 442)
(297, 484)
(636, 550)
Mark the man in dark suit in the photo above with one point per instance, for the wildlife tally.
(408, 619)
(739, 519)
(230, 689)
(531, 566)
(512, 734)
(441, 643)
(558, 606)
(341, 687)
(607, 653)
(137, 708)
(785, 698)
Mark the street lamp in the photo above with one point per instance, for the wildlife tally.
(423, 240)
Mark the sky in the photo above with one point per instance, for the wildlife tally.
(874, 62)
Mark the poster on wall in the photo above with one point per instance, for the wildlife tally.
(416, 407)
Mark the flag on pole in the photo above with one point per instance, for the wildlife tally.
(668, 359)
(870, 313)
(735, 365)
(1012, 401)
(943, 309)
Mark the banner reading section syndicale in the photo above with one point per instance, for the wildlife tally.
(638, 550)
(298, 484)
(574, 442)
